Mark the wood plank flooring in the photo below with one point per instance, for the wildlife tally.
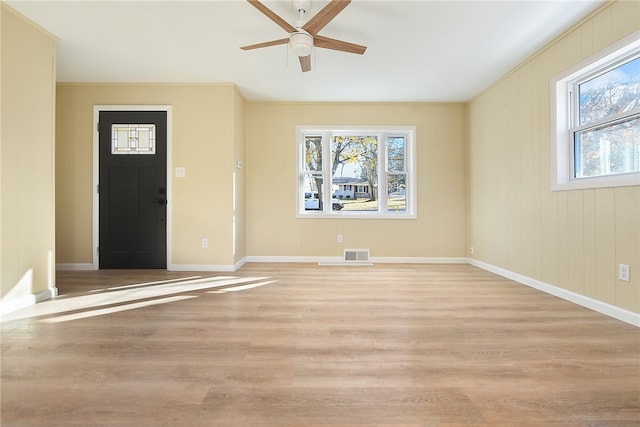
(305, 345)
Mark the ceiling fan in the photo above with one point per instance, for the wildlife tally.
(302, 38)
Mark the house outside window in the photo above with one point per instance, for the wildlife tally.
(596, 120)
(358, 172)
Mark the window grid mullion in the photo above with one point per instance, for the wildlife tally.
(382, 173)
(614, 119)
(328, 179)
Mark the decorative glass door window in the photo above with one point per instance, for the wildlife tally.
(133, 139)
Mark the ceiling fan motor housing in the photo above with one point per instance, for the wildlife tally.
(301, 43)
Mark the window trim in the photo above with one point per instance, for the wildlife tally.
(562, 150)
(410, 170)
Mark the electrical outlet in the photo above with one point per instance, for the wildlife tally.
(623, 272)
(339, 238)
(181, 172)
(205, 243)
(471, 250)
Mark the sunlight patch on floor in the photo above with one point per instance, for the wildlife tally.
(241, 287)
(111, 298)
(116, 309)
(157, 282)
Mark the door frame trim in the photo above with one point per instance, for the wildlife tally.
(96, 172)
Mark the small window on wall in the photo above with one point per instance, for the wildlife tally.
(596, 120)
(366, 172)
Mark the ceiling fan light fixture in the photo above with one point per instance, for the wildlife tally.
(301, 43)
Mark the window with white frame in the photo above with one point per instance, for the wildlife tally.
(596, 120)
(363, 172)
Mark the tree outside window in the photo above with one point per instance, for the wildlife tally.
(361, 172)
(607, 135)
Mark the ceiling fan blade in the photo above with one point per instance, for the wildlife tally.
(329, 43)
(322, 18)
(272, 15)
(265, 44)
(305, 63)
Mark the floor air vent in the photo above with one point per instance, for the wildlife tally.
(358, 256)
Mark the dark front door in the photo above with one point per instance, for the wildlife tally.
(133, 189)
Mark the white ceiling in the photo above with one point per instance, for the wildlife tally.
(417, 50)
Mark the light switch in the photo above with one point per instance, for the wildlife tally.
(623, 272)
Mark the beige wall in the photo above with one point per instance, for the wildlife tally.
(272, 227)
(570, 239)
(206, 140)
(212, 128)
(27, 234)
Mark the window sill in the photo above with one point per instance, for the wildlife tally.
(622, 180)
(355, 215)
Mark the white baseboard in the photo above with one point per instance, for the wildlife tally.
(7, 307)
(293, 259)
(585, 301)
(240, 263)
(207, 267)
(332, 260)
(76, 267)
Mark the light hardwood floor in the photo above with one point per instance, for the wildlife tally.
(304, 345)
